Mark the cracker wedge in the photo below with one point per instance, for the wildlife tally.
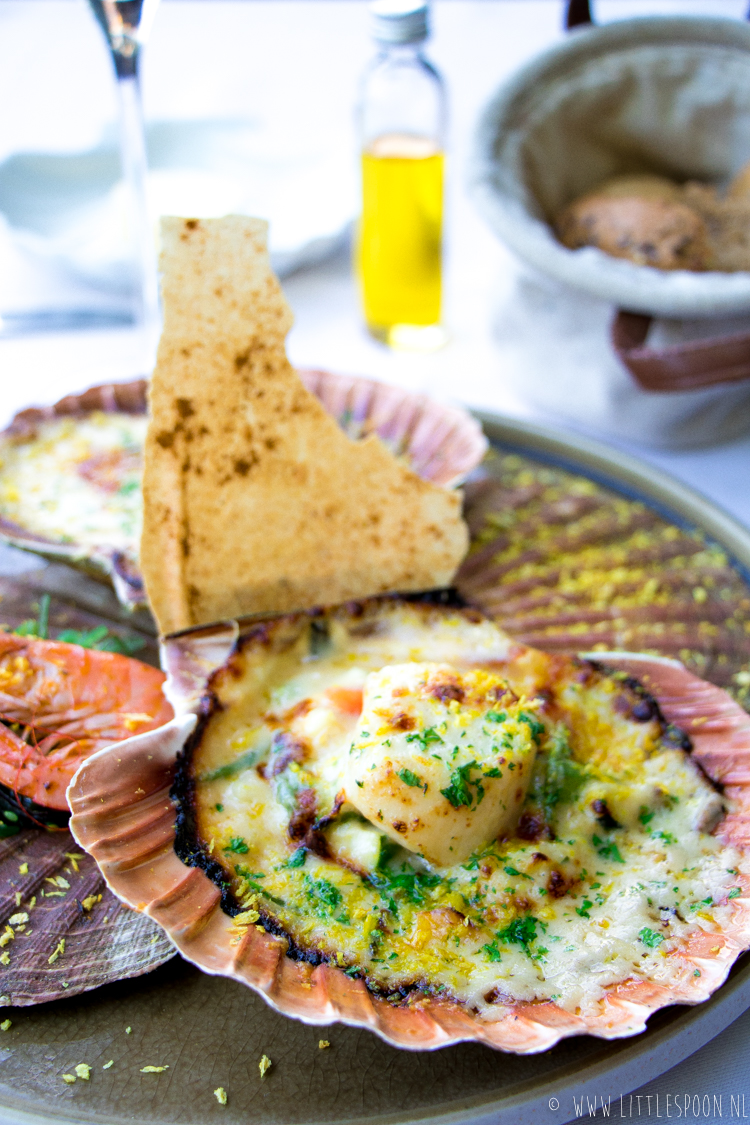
(254, 498)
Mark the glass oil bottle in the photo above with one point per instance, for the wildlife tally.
(399, 236)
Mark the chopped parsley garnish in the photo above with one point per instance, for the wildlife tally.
(650, 937)
(424, 737)
(583, 910)
(236, 844)
(491, 951)
(459, 793)
(297, 859)
(536, 728)
(520, 874)
(521, 931)
(407, 882)
(411, 779)
(735, 892)
(496, 716)
(607, 849)
(667, 837)
(322, 894)
(646, 815)
(253, 886)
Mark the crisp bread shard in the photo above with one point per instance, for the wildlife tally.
(254, 498)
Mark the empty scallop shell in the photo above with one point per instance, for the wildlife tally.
(564, 564)
(441, 443)
(122, 815)
(70, 933)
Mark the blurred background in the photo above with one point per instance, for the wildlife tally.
(250, 106)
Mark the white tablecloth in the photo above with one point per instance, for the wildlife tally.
(295, 64)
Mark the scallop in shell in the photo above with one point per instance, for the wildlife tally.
(122, 814)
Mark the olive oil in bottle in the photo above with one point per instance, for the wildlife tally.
(398, 252)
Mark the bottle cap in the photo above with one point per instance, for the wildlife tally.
(400, 21)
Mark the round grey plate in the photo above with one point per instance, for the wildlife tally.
(212, 1032)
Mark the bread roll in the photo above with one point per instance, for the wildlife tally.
(649, 232)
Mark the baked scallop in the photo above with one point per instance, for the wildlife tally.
(392, 814)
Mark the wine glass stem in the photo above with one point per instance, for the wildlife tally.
(134, 166)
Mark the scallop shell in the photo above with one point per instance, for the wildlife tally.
(78, 934)
(564, 564)
(122, 815)
(441, 443)
(105, 563)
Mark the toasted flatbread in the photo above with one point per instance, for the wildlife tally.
(254, 498)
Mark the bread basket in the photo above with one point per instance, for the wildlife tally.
(660, 94)
(663, 94)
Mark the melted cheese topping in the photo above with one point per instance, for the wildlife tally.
(78, 480)
(612, 867)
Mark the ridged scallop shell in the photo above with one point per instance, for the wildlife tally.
(66, 947)
(441, 443)
(566, 565)
(122, 815)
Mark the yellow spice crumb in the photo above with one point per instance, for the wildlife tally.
(83, 1070)
(322, 1044)
(69, 1079)
(153, 1069)
(246, 918)
(56, 953)
(5, 1025)
(5, 957)
(23, 869)
(107, 1065)
(221, 1095)
(264, 1065)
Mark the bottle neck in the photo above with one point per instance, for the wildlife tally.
(402, 52)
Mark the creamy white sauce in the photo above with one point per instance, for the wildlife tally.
(78, 480)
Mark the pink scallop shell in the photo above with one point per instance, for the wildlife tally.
(123, 816)
(441, 443)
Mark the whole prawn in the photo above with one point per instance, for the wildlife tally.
(59, 703)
